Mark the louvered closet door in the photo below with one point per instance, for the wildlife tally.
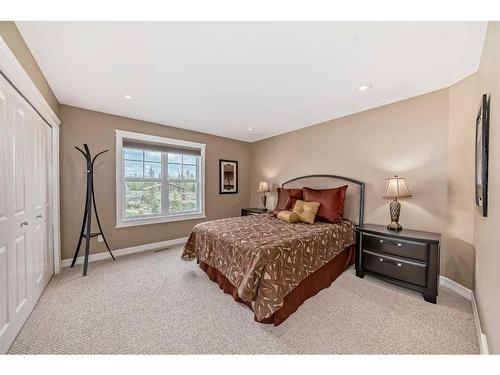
(25, 240)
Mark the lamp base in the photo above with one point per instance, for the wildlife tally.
(394, 225)
(395, 208)
(264, 199)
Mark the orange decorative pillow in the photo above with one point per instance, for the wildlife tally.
(331, 202)
(287, 199)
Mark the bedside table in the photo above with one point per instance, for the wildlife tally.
(252, 211)
(408, 258)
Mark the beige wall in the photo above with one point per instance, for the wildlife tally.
(428, 139)
(486, 230)
(98, 130)
(408, 138)
(457, 259)
(11, 36)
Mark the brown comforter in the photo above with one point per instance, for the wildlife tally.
(266, 258)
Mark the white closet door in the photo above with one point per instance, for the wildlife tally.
(5, 219)
(43, 249)
(24, 165)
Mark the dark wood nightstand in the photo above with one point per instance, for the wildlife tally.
(252, 211)
(408, 258)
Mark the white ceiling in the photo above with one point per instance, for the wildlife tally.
(225, 77)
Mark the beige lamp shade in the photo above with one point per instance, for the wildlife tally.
(263, 187)
(396, 187)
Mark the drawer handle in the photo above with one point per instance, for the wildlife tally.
(391, 243)
(38, 216)
(24, 223)
(396, 263)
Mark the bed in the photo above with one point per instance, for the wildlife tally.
(273, 266)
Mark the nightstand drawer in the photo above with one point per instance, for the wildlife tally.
(397, 268)
(402, 248)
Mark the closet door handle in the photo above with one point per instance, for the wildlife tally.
(24, 223)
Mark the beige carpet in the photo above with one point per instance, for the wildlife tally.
(156, 303)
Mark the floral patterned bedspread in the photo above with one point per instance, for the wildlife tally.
(266, 258)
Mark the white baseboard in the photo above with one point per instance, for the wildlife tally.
(469, 294)
(483, 343)
(456, 287)
(129, 250)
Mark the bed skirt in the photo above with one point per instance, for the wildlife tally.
(307, 288)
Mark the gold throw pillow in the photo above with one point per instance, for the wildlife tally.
(306, 211)
(288, 216)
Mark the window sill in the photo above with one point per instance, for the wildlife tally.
(158, 220)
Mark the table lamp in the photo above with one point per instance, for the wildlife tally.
(395, 187)
(263, 188)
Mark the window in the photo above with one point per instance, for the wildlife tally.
(158, 179)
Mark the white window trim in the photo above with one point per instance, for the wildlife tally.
(120, 221)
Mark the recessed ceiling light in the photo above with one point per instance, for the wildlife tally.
(127, 97)
(365, 87)
(250, 129)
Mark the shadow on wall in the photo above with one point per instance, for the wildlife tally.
(458, 261)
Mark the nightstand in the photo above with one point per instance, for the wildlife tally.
(408, 258)
(252, 211)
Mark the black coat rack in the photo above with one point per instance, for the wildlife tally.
(87, 216)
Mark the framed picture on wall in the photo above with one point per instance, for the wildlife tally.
(228, 177)
(482, 138)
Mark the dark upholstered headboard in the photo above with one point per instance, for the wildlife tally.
(354, 208)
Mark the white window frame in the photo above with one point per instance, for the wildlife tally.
(121, 221)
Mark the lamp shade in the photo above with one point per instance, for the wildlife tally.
(263, 187)
(396, 187)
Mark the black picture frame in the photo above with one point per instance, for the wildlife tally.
(481, 155)
(228, 180)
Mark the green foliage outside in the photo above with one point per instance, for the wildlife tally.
(182, 196)
(143, 198)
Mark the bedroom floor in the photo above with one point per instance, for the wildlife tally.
(154, 303)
